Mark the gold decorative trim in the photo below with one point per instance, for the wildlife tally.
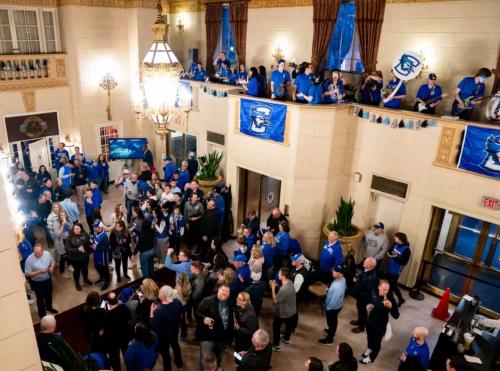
(22, 85)
(110, 3)
(51, 3)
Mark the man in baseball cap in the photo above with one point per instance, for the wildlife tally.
(101, 250)
(429, 95)
(375, 243)
(333, 303)
(242, 271)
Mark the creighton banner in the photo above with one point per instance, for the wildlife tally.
(481, 151)
(263, 120)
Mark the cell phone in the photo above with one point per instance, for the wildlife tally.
(238, 356)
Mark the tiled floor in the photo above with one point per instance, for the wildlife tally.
(311, 324)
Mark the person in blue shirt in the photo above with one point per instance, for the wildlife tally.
(371, 88)
(25, 248)
(141, 352)
(219, 61)
(192, 69)
(183, 175)
(96, 193)
(77, 155)
(250, 239)
(395, 101)
(103, 173)
(303, 83)
(90, 205)
(243, 74)
(333, 89)
(280, 81)
(469, 93)
(42, 174)
(283, 239)
(224, 71)
(416, 355)
(168, 168)
(399, 255)
(176, 226)
(220, 204)
(101, 254)
(262, 82)
(253, 83)
(429, 95)
(331, 256)
(182, 266)
(234, 76)
(59, 153)
(242, 271)
(333, 303)
(199, 73)
(269, 251)
(66, 175)
(92, 171)
(315, 95)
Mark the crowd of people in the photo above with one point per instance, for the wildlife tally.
(329, 87)
(171, 223)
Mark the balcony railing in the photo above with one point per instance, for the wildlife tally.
(25, 71)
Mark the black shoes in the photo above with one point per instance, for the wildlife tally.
(105, 286)
(52, 310)
(78, 287)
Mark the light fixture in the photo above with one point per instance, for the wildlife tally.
(108, 83)
(180, 25)
(160, 96)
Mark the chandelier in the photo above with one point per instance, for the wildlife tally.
(162, 97)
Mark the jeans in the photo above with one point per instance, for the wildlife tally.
(375, 336)
(80, 266)
(207, 347)
(146, 259)
(103, 184)
(43, 292)
(331, 321)
(164, 350)
(277, 322)
(129, 204)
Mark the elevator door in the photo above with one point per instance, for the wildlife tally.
(260, 193)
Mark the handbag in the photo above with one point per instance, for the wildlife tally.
(388, 332)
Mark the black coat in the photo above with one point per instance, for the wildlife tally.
(210, 224)
(116, 327)
(345, 365)
(198, 288)
(248, 322)
(256, 290)
(273, 223)
(253, 224)
(209, 307)
(72, 244)
(166, 321)
(379, 315)
(255, 360)
(365, 288)
(119, 246)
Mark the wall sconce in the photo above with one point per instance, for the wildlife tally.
(108, 83)
(179, 25)
(357, 177)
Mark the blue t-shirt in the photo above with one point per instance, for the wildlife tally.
(331, 256)
(469, 88)
(200, 75)
(243, 75)
(395, 103)
(418, 352)
(253, 86)
(328, 86)
(316, 92)
(426, 94)
(233, 78)
(224, 72)
(278, 78)
(303, 83)
(169, 171)
(58, 154)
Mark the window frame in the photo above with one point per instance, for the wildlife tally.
(40, 27)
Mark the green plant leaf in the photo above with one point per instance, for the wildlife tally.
(209, 165)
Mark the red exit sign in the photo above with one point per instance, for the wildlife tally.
(490, 203)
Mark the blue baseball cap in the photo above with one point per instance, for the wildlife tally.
(240, 258)
(126, 294)
(296, 257)
(167, 158)
(98, 224)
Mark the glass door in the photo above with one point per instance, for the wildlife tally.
(465, 256)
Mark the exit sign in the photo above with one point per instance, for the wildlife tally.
(490, 203)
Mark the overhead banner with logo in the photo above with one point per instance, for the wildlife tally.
(481, 151)
(263, 120)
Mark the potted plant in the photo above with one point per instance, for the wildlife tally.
(349, 235)
(207, 174)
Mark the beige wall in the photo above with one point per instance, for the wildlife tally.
(194, 36)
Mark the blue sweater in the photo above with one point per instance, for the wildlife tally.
(418, 352)
(182, 267)
(283, 242)
(269, 253)
(139, 357)
(102, 248)
(331, 256)
(90, 207)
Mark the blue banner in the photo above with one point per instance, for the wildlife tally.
(263, 120)
(481, 151)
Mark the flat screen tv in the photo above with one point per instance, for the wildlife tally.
(126, 148)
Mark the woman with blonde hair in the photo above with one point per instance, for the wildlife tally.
(182, 292)
(120, 213)
(62, 232)
(269, 251)
(245, 323)
(150, 292)
(256, 261)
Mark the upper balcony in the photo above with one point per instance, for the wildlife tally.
(32, 71)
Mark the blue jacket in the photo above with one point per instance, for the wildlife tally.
(176, 225)
(90, 207)
(331, 256)
(64, 173)
(58, 154)
(250, 241)
(183, 179)
(395, 265)
(419, 352)
(220, 206)
(182, 267)
(169, 171)
(102, 249)
(244, 272)
(269, 253)
(25, 248)
(102, 169)
(92, 172)
(97, 195)
(283, 242)
(138, 357)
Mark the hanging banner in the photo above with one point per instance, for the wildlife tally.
(481, 151)
(263, 120)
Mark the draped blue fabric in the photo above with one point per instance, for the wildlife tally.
(226, 42)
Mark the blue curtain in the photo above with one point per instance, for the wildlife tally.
(342, 41)
(226, 42)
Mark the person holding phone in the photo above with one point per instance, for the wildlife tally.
(258, 357)
(38, 269)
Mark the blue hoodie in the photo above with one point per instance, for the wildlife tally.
(331, 256)
(182, 267)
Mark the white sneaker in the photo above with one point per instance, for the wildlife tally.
(365, 361)
(71, 269)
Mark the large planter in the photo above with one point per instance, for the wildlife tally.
(353, 242)
(207, 185)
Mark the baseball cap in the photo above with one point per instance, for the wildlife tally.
(379, 225)
(240, 258)
(98, 224)
(167, 158)
(339, 269)
(126, 294)
(432, 76)
(125, 171)
(296, 257)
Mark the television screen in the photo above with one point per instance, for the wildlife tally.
(126, 148)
